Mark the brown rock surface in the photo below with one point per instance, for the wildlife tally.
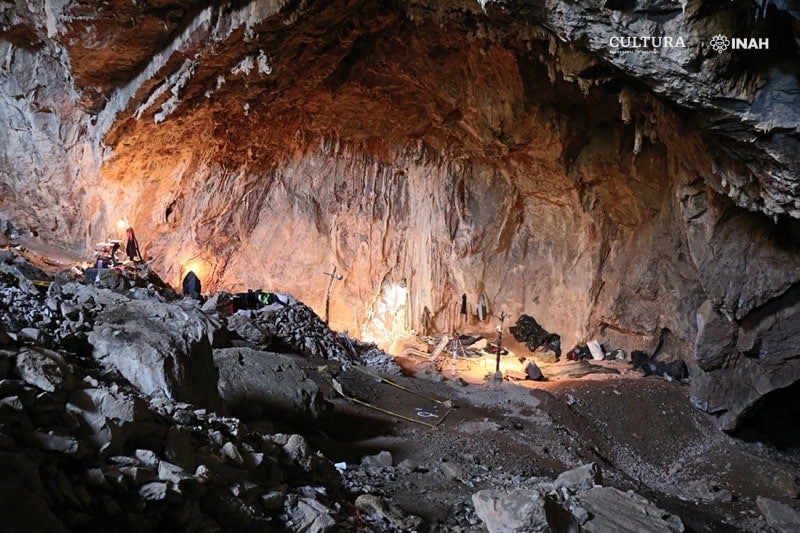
(429, 151)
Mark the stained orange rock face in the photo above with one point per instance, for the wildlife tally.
(425, 151)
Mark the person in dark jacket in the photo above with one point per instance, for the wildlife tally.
(191, 285)
(131, 247)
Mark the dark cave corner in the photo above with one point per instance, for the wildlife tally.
(774, 420)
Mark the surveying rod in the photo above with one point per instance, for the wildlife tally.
(502, 317)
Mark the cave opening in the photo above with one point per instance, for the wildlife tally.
(775, 419)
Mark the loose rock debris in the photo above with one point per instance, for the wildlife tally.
(107, 422)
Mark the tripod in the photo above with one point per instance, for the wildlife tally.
(456, 345)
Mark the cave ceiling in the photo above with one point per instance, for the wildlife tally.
(519, 150)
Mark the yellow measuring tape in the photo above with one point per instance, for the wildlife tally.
(447, 403)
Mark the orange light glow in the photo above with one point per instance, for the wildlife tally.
(387, 321)
(201, 267)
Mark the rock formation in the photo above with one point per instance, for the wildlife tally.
(87, 443)
(645, 196)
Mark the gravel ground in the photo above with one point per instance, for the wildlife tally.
(641, 431)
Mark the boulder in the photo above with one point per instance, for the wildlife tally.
(581, 478)
(382, 459)
(716, 334)
(160, 347)
(111, 418)
(379, 510)
(603, 509)
(779, 516)
(308, 514)
(248, 329)
(254, 382)
(44, 369)
(518, 510)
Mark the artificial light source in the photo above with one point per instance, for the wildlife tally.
(197, 266)
(203, 267)
(387, 321)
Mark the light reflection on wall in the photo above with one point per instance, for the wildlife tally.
(201, 267)
(388, 320)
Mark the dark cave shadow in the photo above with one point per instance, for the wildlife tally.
(774, 419)
(343, 434)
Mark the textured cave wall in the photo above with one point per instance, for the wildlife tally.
(41, 140)
(446, 148)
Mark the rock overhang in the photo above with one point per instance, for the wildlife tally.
(508, 147)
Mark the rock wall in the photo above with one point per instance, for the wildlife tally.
(429, 151)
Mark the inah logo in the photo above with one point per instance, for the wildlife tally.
(720, 43)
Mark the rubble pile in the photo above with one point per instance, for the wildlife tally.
(575, 501)
(292, 326)
(22, 308)
(79, 447)
(96, 432)
(59, 312)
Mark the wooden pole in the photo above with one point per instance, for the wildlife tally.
(328, 295)
(500, 341)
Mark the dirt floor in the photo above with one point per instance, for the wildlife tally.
(451, 434)
(453, 429)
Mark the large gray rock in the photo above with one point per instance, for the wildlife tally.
(44, 369)
(248, 329)
(515, 511)
(160, 348)
(111, 417)
(779, 516)
(310, 515)
(255, 383)
(748, 332)
(763, 360)
(382, 511)
(606, 509)
(581, 478)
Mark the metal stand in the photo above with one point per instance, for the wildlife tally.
(497, 373)
(456, 346)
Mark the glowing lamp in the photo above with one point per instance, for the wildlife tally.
(195, 265)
